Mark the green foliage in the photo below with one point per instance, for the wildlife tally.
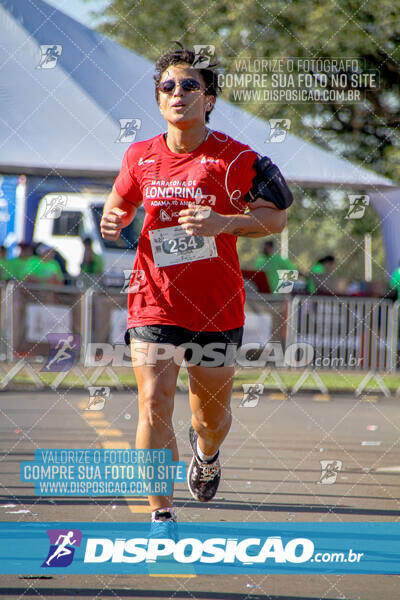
(318, 226)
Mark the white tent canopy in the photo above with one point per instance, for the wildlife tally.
(67, 118)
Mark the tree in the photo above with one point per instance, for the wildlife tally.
(365, 131)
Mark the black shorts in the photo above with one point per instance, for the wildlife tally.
(207, 348)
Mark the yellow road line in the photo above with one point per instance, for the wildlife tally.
(115, 445)
(91, 415)
(321, 397)
(108, 432)
(96, 420)
(277, 396)
(98, 423)
(372, 399)
(139, 508)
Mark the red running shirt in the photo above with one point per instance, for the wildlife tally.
(176, 280)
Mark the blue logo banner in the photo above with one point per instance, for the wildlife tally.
(203, 548)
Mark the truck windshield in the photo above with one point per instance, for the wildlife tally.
(129, 237)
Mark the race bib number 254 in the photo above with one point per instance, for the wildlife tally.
(172, 246)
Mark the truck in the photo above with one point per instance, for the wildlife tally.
(60, 212)
(63, 221)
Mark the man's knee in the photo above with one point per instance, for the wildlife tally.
(156, 403)
(213, 422)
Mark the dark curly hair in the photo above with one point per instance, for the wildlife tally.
(184, 55)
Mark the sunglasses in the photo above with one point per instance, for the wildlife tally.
(189, 85)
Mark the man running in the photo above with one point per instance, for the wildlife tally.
(195, 184)
(64, 348)
(62, 550)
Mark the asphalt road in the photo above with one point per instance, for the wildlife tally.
(271, 468)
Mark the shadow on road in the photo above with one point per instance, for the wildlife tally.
(293, 508)
(219, 505)
(150, 593)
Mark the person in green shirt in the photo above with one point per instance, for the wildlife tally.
(395, 282)
(43, 268)
(16, 268)
(92, 263)
(271, 262)
(317, 280)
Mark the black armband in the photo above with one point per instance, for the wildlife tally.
(269, 184)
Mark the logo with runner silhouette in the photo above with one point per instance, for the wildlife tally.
(278, 129)
(202, 55)
(128, 130)
(358, 203)
(133, 281)
(97, 397)
(329, 471)
(251, 394)
(62, 547)
(64, 347)
(54, 206)
(285, 284)
(50, 53)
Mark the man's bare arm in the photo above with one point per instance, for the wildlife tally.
(117, 214)
(262, 220)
